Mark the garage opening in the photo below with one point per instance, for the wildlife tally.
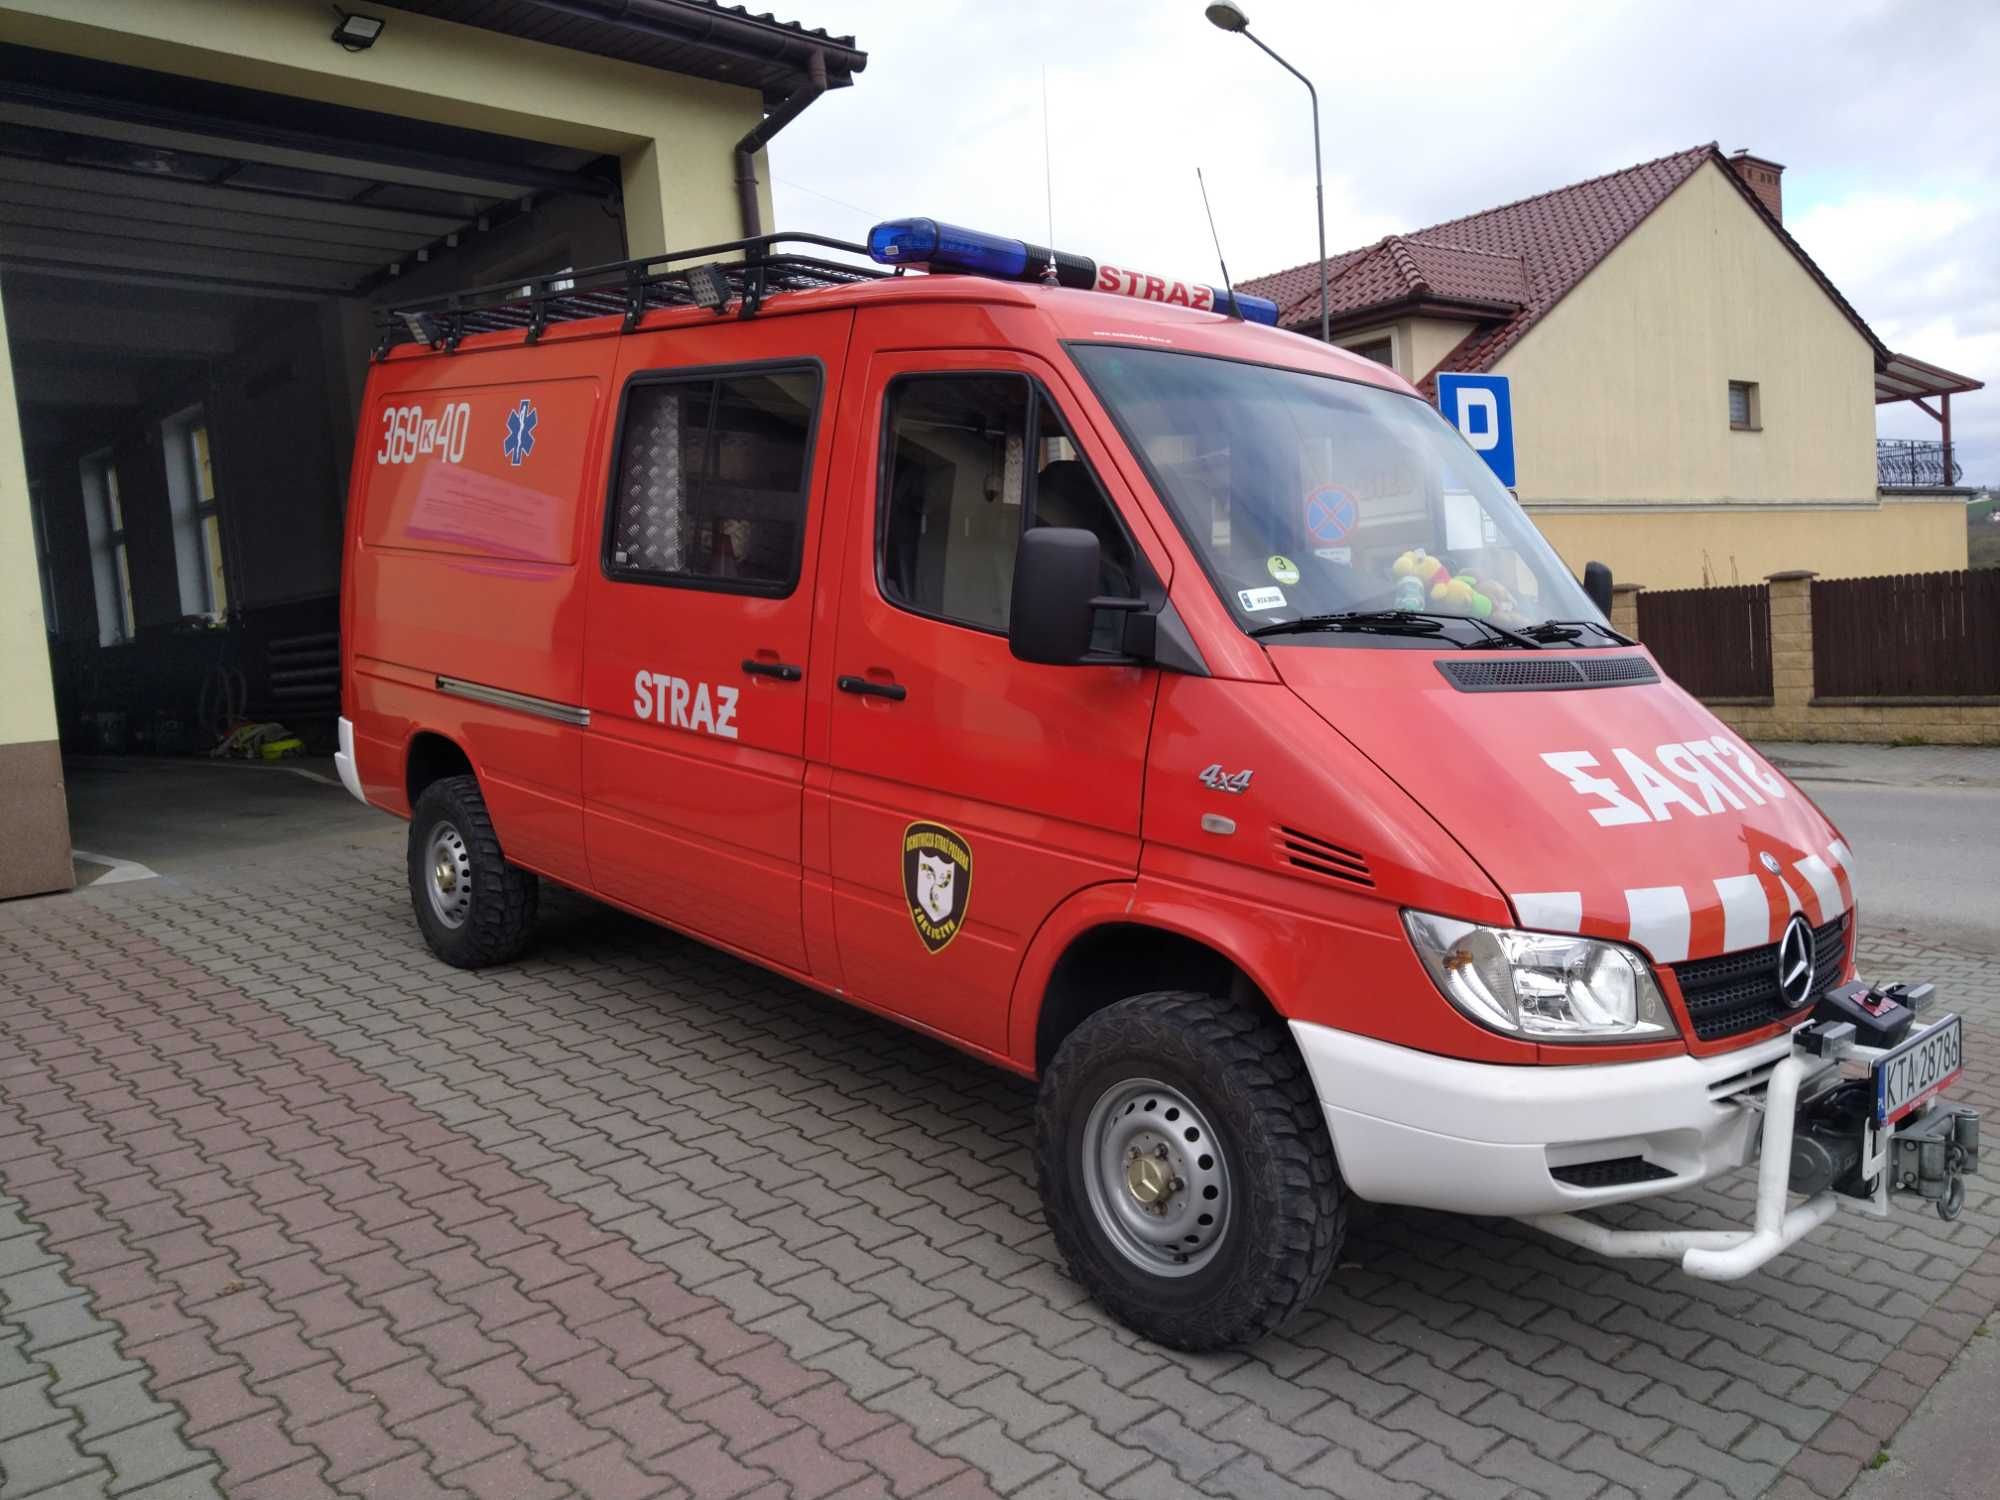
(188, 270)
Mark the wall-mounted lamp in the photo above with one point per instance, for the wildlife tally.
(356, 33)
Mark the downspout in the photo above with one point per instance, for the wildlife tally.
(789, 109)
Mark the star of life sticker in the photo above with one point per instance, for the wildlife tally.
(520, 439)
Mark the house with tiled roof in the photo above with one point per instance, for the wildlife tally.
(1693, 398)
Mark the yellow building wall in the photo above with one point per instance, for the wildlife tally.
(1621, 392)
(672, 134)
(1682, 548)
(1418, 343)
(1428, 341)
(1622, 438)
(27, 702)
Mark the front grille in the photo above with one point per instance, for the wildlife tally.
(1619, 1171)
(1542, 674)
(1738, 992)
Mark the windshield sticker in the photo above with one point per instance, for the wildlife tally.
(937, 882)
(1330, 514)
(1337, 555)
(1257, 600)
(1282, 568)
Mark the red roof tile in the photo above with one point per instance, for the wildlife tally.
(1519, 259)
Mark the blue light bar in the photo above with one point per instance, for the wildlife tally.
(1250, 309)
(947, 247)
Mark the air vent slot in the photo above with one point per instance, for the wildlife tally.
(1618, 1171)
(1608, 670)
(1546, 674)
(1316, 856)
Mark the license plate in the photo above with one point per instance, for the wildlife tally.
(1918, 1069)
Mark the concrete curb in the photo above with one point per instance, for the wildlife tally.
(1834, 1456)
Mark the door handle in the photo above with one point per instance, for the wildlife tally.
(893, 691)
(784, 671)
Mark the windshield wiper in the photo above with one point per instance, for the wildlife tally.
(1551, 631)
(1399, 622)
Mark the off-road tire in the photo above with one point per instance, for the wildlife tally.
(1288, 1206)
(501, 922)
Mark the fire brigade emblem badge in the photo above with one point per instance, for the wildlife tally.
(520, 439)
(937, 882)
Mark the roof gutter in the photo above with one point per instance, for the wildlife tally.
(689, 21)
(789, 109)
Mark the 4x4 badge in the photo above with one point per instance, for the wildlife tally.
(937, 882)
(1218, 780)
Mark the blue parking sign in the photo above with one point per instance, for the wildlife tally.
(1480, 407)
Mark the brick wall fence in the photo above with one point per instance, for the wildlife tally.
(1794, 711)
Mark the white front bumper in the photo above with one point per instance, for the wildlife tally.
(1481, 1138)
(343, 760)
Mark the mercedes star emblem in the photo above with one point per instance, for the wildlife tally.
(1795, 964)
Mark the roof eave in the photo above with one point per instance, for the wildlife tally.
(1303, 315)
(711, 34)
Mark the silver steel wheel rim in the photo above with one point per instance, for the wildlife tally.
(1155, 1176)
(449, 878)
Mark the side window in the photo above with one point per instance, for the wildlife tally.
(953, 495)
(1068, 494)
(712, 482)
(969, 462)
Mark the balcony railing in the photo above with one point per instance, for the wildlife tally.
(1912, 464)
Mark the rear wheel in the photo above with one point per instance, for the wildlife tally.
(1186, 1169)
(473, 908)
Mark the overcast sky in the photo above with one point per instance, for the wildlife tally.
(1886, 116)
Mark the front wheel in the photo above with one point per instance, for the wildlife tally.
(1186, 1169)
(473, 908)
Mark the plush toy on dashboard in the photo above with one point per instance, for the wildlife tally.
(1409, 593)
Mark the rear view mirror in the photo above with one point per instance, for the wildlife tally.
(1055, 578)
(1597, 586)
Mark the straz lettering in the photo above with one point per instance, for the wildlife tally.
(1699, 777)
(1155, 288)
(680, 704)
(407, 434)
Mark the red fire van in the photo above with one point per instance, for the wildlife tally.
(1057, 660)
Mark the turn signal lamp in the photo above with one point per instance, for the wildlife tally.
(968, 252)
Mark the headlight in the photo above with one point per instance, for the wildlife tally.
(1538, 986)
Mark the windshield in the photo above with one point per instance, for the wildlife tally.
(1306, 495)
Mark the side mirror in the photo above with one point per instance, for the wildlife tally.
(1055, 579)
(1597, 586)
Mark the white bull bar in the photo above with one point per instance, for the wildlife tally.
(1729, 1254)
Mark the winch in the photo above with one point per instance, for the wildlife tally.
(1884, 1131)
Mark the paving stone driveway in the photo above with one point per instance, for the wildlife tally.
(287, 1208)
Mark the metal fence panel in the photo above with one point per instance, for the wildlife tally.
(1716, 642)
(1909, 635)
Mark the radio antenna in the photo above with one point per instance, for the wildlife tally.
(1234, 311)
(1048, 183)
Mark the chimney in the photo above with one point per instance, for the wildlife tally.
(1764, 178)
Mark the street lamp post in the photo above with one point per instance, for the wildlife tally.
(1230, 17)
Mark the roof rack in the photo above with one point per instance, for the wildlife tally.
(627, 288)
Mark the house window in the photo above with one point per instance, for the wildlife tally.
(1382, 350)
(38, 519)
(111, 566)
(204, 589)
(1744, 415)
